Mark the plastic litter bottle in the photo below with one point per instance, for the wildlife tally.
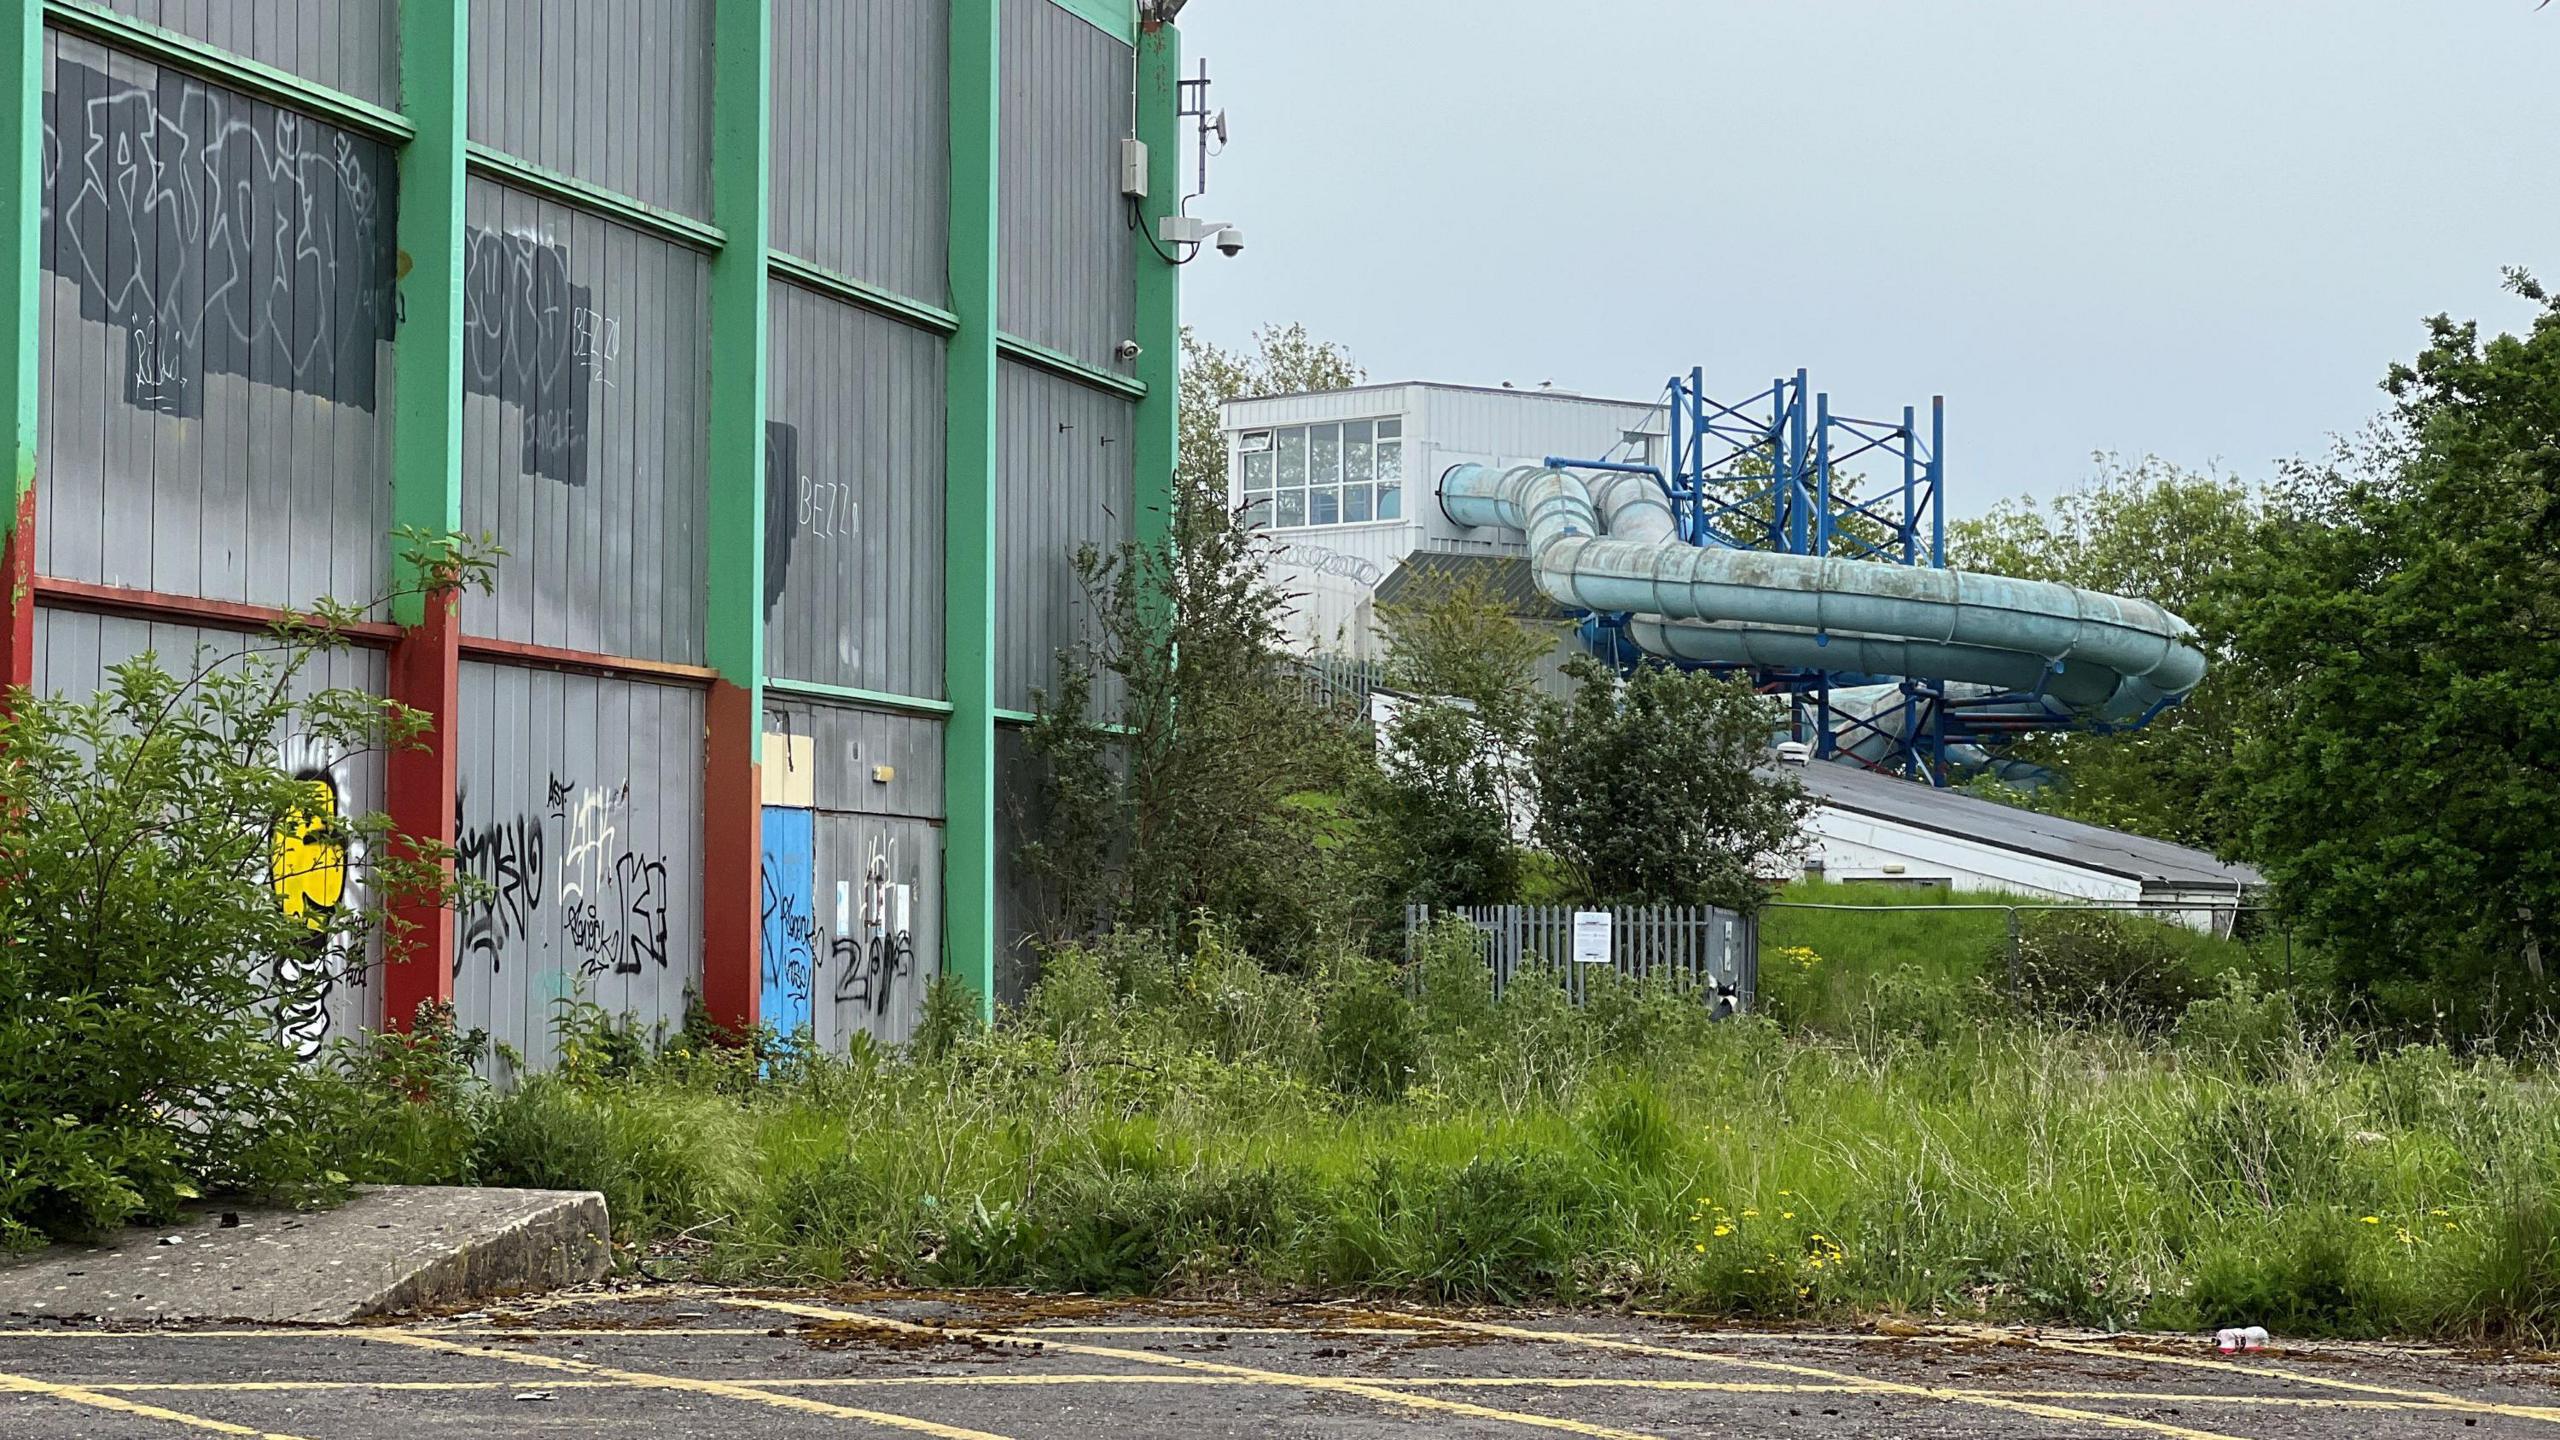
(2234, 1340)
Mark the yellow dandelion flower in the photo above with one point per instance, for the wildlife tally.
(2370, 1220)
(1702, 1249)
(1786, 1214)
(1721, 1231)
(1750, 1214)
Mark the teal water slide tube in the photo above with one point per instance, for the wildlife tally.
(1611, 546)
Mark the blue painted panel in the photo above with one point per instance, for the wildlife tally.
(790, 945)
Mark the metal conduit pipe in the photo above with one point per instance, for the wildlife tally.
(2107, 655)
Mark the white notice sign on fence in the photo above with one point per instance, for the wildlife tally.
(1591, 937)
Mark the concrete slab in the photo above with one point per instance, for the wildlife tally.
(389, 1249)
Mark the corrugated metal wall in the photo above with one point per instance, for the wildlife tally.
(872, 832)
(581, 806)
(349, 45)
(862, 140)
(1064, 477)
(1069, 255)
(853, 498)
(217, 321)
(616, 95)
(585, 375)
(74, 652)
(218, 311)
(1022, 903)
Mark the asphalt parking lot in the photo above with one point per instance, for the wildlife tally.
(694, 1362)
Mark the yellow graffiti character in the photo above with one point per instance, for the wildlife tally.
(308, 861)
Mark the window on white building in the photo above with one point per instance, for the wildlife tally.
(1333, 474)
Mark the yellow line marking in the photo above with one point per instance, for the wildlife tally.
(83, 1395)
(1446, 1382)
(2228, 1367)
(1201, 1329)
(1246, 1373)
(1931, 1392)
(647, 1380)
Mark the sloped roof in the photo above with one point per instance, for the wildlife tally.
(2157, 864)
(1426, 575)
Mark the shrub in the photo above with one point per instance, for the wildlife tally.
(175, 906)
(1371, 1037)
(2087, 965)
(1652, 788)
(2241, 1027)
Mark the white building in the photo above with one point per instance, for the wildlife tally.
(1347, 483)
(1879, 829)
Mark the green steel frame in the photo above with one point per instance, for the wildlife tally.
(21, 210)
(969, 938)
(436, 156)
(425, 673)
(732, 790)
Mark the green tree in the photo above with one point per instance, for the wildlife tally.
(1184, 769)
(2157, 532)
(1442, 804)
(1653, 788)
(1283, 360)
(2399, 772)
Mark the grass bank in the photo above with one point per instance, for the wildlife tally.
(1155, 1124)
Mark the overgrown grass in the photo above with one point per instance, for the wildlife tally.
(1930, 961)
(1164, 1123)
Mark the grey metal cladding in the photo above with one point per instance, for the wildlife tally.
(848, 744)
(1069, 257)
(1064, 479)
(584, 427)
(869, 981)
(853, 498)
(348, 45)
(75, 651)
(215, 279)
(871, 832)
(613, 92)
(1022, 903)
(862, 140)
(580, 806)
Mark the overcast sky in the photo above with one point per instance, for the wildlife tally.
(2201, 229)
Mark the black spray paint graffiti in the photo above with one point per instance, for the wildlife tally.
(787, 967)
(870, 965)
(613, 903)
(220, 235)
(781, 466)
(611, 900)
(506, 858)
(536, 342)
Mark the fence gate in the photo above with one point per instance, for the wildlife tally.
(1715, 950)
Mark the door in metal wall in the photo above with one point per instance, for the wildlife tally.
(790, 939)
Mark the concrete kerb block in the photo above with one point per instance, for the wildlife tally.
(388, 1249)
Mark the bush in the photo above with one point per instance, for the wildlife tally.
(1371, 1037)
(1653, 788)
(2241, 1027)
(2087, 966)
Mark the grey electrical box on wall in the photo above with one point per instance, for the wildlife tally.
(1133, 168)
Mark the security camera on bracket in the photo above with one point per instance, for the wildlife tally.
(1184, 230)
